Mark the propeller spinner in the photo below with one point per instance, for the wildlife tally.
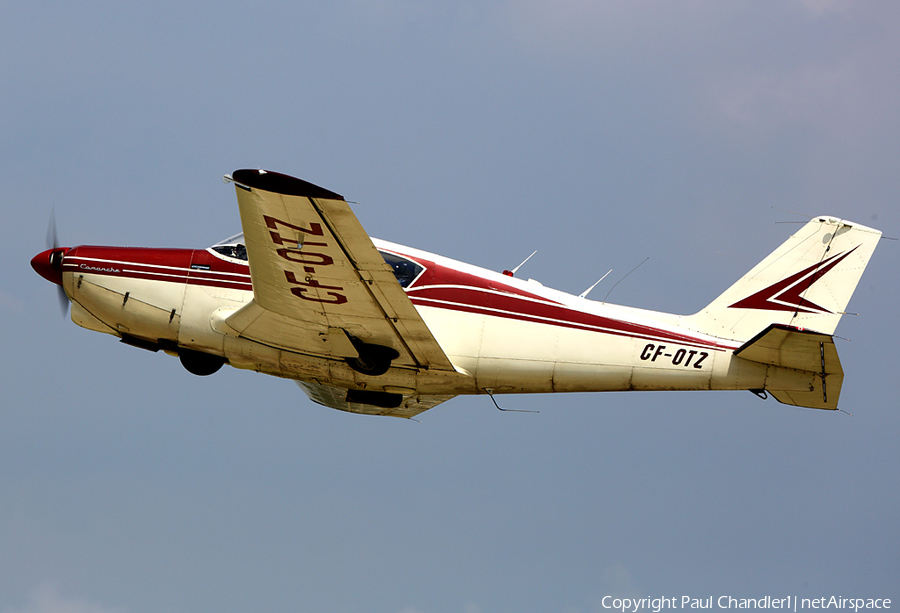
(49, 263)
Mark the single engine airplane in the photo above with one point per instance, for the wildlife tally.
(368, 326)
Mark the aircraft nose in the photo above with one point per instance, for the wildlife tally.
(48, 264)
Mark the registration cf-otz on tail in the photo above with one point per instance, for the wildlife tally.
(373, 327)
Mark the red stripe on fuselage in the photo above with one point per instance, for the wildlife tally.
(479, 302)
(170, 265)
(438, 286)
(448, 288)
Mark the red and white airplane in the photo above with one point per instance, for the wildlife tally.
(372, 327)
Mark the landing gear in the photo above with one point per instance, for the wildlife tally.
(373, 360)
(199, 363)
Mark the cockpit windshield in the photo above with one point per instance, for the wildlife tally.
(405, 270)
(232, 247)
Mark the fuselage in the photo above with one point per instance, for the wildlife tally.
(502, 334)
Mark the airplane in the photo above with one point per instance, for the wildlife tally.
(373, 327)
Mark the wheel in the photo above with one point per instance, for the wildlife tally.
(199, 363)
(373, 360)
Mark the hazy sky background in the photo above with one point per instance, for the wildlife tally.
(599, 133)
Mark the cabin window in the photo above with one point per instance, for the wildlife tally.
(232, 247)
(239, 252)
(405, 270)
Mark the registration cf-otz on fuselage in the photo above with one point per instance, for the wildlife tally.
(373, 327)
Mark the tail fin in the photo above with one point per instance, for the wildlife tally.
(806, 283)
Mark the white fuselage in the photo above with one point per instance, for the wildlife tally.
(504, 335)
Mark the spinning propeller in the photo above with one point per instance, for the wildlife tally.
(49, 263)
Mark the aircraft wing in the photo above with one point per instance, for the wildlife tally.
(320, 287)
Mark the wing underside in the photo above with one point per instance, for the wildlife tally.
(369, 403)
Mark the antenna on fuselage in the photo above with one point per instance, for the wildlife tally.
(585, 292)
(623, 278)
(512, 273)
(490, 393)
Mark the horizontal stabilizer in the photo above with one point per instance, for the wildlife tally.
(789, 347)
(817, 377)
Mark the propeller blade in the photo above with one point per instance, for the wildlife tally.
(63, 301)
(53, 243)
(52, 238)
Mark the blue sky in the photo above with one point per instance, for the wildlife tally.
(697, 133)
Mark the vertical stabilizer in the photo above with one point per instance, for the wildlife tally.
(805, 283)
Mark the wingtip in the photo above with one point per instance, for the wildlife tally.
(278, 183)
